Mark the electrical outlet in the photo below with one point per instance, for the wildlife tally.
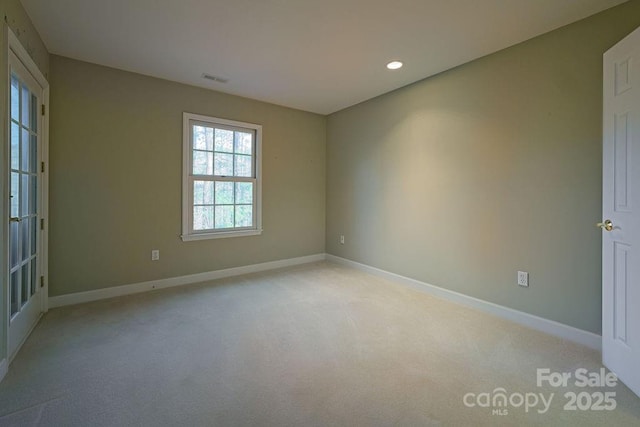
(155, 255)
(342, 239)
(523, 278)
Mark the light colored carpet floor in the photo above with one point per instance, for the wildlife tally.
(314, 345)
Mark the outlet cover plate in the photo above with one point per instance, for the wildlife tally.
(523, 278)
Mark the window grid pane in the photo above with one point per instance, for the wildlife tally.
(243, 143)
(224, 141)
(202, 162)
(202, 138)
(203, 192)
(224, 216)
(244, 215)
(244, 193)
(202, 217)
(224, 193)
(223, 164)
(243, 166)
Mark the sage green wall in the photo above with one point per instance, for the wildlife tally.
(115, 179)
(15, 17)
(464, 178)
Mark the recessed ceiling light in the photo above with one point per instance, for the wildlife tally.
(394, 65)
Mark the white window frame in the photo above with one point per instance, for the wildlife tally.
(188, 233)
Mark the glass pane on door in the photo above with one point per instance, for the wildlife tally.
(24, 187)
(15, 99)
(24, 231)
(14, 292)
(25, 283)
(13, 244)
(33, 276)
(15, 194)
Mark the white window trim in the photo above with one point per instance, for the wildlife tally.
(187, 234)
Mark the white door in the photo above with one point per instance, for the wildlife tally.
(25, 204)
(621, 211)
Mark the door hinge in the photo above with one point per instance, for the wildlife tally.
(42, 281)
(43, 109)
(42, 224)
(42, 167)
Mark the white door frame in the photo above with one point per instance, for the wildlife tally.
(14, 45)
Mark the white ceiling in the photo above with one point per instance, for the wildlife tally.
(315, 55)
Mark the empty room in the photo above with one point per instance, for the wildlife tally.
(320, 213)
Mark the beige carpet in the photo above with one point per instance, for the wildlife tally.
(316, 345)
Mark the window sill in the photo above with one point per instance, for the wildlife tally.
(219, 235)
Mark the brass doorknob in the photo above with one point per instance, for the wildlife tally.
(606, 225)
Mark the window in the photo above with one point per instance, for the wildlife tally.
(220, 178)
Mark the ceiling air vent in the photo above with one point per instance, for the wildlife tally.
(214, 78)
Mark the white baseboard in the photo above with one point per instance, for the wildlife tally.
(4, 367)
(116, 291)
(550, 327)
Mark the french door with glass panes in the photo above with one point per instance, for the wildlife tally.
(24, 169)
